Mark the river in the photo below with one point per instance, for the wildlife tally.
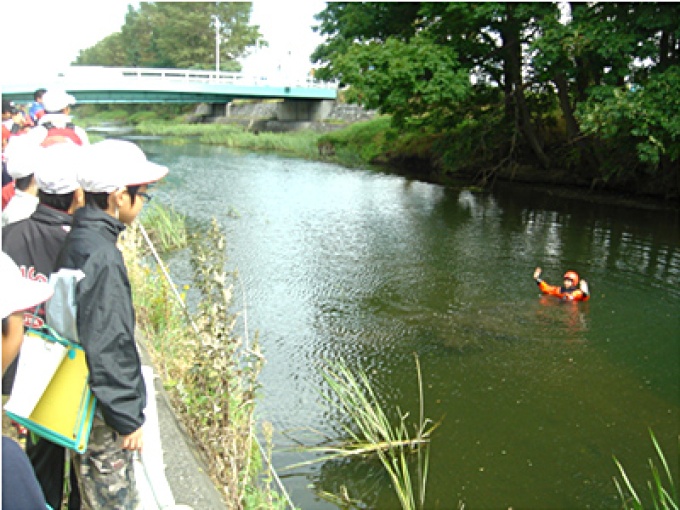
(535, 396)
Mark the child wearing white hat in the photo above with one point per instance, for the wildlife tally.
(34, 243)
(21, 153)
(20, 488)
(115, 179)
(57, 126)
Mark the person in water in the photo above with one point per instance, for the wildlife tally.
(574, 289)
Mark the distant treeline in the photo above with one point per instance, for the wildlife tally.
(178, 35)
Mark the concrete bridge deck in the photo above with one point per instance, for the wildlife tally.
(146, 85)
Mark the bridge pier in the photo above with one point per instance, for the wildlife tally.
(304, 110)
(214, 110)
(289, 110)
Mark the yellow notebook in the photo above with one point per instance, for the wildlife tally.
(64, 412)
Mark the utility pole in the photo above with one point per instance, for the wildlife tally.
(218, 25)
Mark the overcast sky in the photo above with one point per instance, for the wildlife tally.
(43, 36)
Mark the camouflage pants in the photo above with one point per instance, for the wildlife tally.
(105, 472)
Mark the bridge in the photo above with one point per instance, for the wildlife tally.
(303, 97)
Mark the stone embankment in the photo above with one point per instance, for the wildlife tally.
(263, 117)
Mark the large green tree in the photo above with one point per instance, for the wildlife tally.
(178, 35)
(591, 87)
(415, 59)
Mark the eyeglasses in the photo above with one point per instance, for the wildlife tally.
(147, 198)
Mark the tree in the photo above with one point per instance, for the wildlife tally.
(612, 65)
(348, 22)
(177, 35)
(438, 46)
(594, 88)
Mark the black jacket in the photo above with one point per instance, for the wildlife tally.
(34, 244)
(106, 318)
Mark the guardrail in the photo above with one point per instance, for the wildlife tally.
(193, 75)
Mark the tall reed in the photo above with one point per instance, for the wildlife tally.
(371, 432)
(663, 493)
(167, 227)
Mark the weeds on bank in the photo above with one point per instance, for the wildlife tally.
(662, 488)
(169, 231)
(219, 382)
(371, 432)
(210, 375)
(302, 144)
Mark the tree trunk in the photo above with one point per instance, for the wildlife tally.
(565, 105)
(587, 155)
(513, 63)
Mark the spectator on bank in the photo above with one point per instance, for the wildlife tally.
(13, 122)
(7, 185)
(20, 488)
(115, 182)
(56, 125)
(34, 244)
(21, 154)
(37, 109)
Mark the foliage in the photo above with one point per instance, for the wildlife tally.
(224, 366)
(530, 67)
(145, 116)
(371, 432)
(360, 144)
(418, 83)
(644, 117)
(663, 493)
(169, 227)
(117, 115)
(177, 35)
(301, 144)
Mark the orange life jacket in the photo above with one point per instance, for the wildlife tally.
(562, 293)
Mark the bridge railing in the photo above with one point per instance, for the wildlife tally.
(194, 75)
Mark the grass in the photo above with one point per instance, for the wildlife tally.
(662, 488)
(301, 144)
(169, 231)
(372, 432)
(209, 371)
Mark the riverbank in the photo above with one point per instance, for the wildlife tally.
(357, 138)
(369, 144)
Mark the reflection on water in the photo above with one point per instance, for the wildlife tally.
(536, 394)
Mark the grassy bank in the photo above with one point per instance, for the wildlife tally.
(302, 144)
(209, 370)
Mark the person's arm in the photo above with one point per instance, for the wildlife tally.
(537, 275)
(584, 291)
(106, 332)
(544, 287)
(134, 441)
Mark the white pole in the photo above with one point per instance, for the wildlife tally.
(218, 24)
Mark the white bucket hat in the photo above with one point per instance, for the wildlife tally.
(19, 293)
(58, 168)
(56, 100)
(113, 165)
(22, 156)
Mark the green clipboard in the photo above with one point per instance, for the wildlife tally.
(66, 408)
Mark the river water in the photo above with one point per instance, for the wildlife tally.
(535, 396)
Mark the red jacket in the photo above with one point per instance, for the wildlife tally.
(7, 194)
(60, 135)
